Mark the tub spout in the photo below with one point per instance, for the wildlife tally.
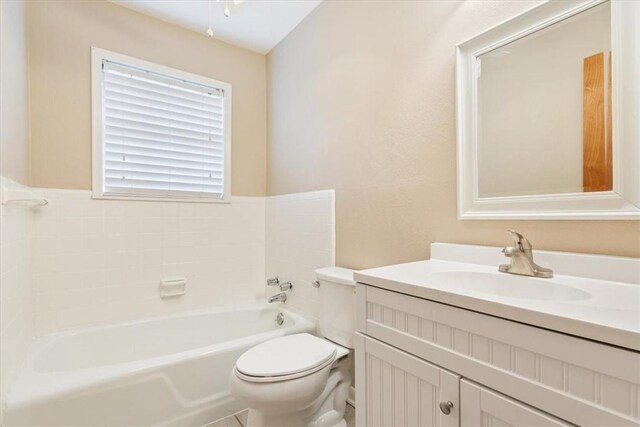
(281, 297)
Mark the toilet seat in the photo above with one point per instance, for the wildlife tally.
(285, 358)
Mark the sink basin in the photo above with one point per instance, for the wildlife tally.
(506, 285)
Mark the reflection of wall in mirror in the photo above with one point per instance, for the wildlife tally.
(530, 103)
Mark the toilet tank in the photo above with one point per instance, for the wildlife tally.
(337, 305)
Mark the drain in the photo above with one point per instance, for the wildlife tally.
(280, 319)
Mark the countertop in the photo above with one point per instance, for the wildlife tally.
(602, 310)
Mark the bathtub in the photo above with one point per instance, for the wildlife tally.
(170, 371)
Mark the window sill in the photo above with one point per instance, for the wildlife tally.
(159, 199)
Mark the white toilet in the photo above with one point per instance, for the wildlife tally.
(302, 380)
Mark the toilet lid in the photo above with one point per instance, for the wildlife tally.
(286, 355)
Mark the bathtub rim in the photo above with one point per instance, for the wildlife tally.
(32, 386)
(176, 315)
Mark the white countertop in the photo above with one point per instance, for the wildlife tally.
(594, 308)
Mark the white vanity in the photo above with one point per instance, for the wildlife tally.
(453, 342)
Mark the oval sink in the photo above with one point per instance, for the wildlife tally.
(507, 285)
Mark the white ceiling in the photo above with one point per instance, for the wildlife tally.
(257, 25)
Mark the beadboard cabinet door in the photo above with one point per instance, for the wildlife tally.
(397, 389)
(485, 408)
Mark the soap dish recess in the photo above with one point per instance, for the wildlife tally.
(173, 287)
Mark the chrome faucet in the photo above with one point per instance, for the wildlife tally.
(281, 297)
(274, 281)
(522, 259)
(284, 286)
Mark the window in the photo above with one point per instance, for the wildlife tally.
(158, 133)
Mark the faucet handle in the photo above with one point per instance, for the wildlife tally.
(274, 281)
(286, 286)
(520, 241)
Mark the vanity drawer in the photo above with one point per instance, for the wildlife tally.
(581, 381)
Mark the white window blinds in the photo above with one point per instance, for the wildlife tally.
(162, 136)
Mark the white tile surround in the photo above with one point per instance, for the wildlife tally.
(16, 314)
(98, 261)
(300, 238)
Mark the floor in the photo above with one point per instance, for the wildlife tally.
(240, 419)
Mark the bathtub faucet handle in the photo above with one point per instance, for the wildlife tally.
(286, 286)
(274, 281)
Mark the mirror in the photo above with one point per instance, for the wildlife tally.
(535, 96)
(540, 115)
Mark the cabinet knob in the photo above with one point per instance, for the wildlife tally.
(446, 407)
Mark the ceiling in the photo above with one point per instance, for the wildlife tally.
(257, 25)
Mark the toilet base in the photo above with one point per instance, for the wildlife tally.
(326, 411)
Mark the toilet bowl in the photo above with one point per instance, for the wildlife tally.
(303, 380)
(296, 380)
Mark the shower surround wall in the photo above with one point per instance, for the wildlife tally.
(300, 238)
(16, 317)
(97, 261)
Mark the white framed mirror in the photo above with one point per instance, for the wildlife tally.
(548, 114)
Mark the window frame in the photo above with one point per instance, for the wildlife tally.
(97, 147)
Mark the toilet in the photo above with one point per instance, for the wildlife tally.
(303, 380)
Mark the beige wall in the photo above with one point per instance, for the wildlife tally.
(60, 36)
(14, 123)
(361, 99)
(545, 70)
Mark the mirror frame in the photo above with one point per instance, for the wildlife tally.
(623, 201)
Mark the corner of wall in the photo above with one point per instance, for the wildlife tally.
(300, 238)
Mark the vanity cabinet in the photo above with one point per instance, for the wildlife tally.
(403, 390)
(413, 354)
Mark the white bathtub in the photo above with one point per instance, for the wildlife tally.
(157, 372)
